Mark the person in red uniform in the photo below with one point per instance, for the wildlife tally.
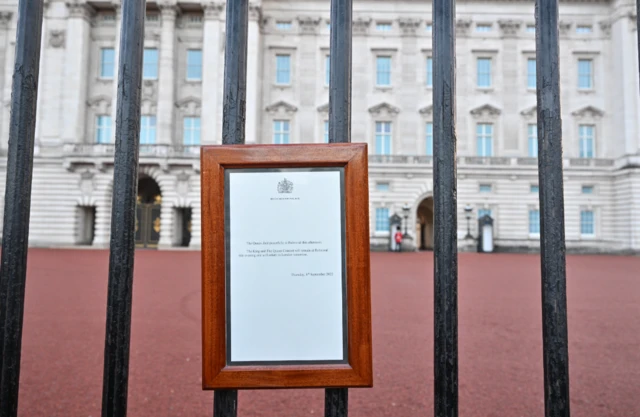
(398, 239)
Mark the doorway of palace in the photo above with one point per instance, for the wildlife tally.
(148, 213)
(424, 224)
(182, 227)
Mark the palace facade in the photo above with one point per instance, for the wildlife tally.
(287, 102)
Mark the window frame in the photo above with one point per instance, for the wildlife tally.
(592, 212)
(532, 136)
(389, 57)
(100, 128)
(191, 129)
(482, 137)
(146, 65)
(151, 126)
(582, 139)
(383, 135)
(534, 233)
(591, 76)
(489, 73)
(278, 71)
(283, 134)
(101, 64)
(379, 221)
(188, 65)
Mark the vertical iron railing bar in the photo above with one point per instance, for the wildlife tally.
(225, 402)
(235, 73)
(638, 30)
(445, 212)
(336, 400)
(340, 56)
(123, 211)
(552, 238)
(17, 201)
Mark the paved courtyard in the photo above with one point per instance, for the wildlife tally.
(500, 338)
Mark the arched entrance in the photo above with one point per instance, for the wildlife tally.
(424, 224)
(148, 213)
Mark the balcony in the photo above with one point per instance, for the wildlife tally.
(495, 161)
(102, 155)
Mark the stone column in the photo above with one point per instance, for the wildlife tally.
(254, 58)
(511, 61)
(166, 87)
(116, 60)
(213, 70)
(74, 92)
(196, 221)
(405, 85)
(9, 29)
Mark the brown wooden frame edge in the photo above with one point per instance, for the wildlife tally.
(215, 373)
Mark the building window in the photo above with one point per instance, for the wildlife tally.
(485, 188)
(587, 223)
(382, 186)
(532, 140)
(429, 78)
(428, 27)
(585, 74)
(534, 189)
(484, 212)
(383, 70)
(281, 132)
(283, 69)
(152, 17)
(586, 136)
(107, 62)
(484, 72)
(103, 129)
(429, 138)
(194, 64)
(587, 189)
(484, 139)
(281, 25)
(383, 27)
(327, 70)
(531, 73)
(382, 219)
(531, 29)
(584, 29)
(326, 131)
(147, 130)
(383, 138)
(191, 131)
(150, 64)
(483, 27)
(534, 222)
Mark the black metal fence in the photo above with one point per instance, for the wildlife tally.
(118, 324)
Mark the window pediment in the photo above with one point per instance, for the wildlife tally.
(384, 109)
(426, 110)
(588, 112)
(486, 110)
(100, 104)
(324, 108)
(189, 106)
(281, 106)
(529, 112)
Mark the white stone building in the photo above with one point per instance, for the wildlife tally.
(288, 102)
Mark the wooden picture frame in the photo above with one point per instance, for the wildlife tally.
(218, 372)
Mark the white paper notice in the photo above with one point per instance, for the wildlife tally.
(285, 266)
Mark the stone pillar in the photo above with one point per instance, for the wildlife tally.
(626, 109)
(166, 225)
(8, 27)
(509, 88)
(405, 83)
(213, 71)
(254, 58)
(116, 63)
(74, 92)
(196, 221)
(166, 86)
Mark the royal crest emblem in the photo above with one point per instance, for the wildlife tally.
(285, 186)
